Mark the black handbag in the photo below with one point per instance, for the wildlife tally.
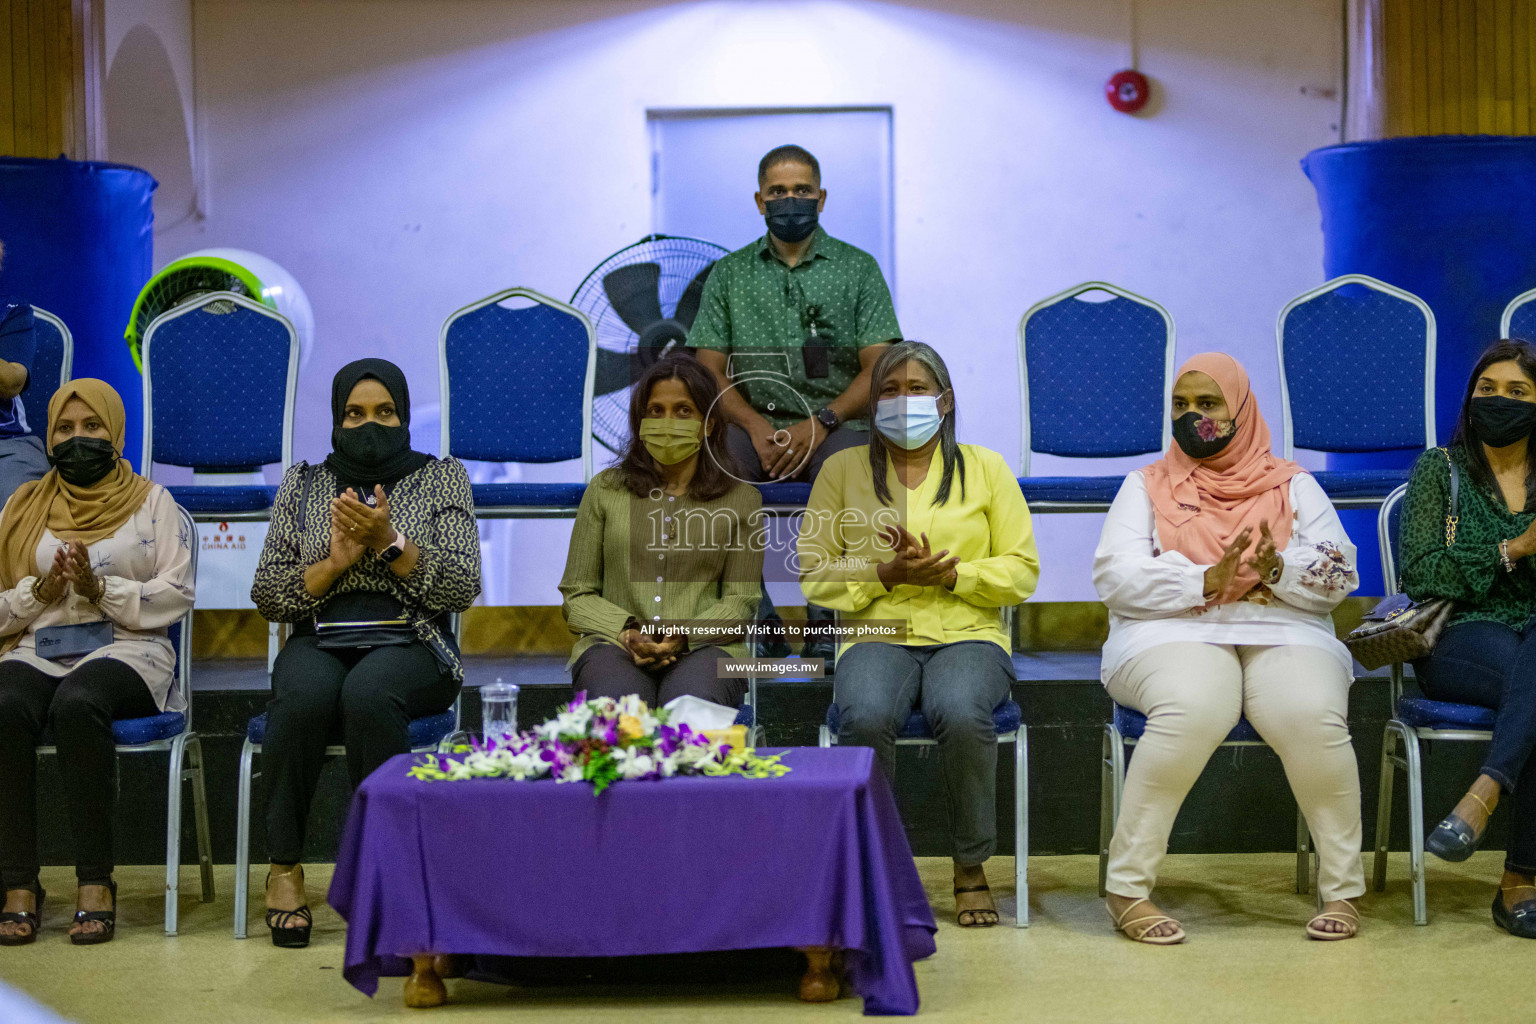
(360, 619)
(1400, 629)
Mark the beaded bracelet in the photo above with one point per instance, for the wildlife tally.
(1504, 556)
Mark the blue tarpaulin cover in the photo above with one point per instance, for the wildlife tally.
(79, 243)
(1451, 219)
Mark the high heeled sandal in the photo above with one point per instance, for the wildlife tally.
(286, 934)
(974, 911)
(107, 918)
(1142, 925)
(31, 918)
(1350, 921)
(1453, 839)
(1519, 920)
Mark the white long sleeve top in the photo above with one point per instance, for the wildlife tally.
(145, 569)
(1156, 596)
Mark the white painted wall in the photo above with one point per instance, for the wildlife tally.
(148, 95)
(403, 157)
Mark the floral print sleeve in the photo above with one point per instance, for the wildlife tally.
(1319, 560)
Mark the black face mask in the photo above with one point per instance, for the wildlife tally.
(791, 219)
(1186, 431)
(1500, 422)
(370, 444)
(81, 461)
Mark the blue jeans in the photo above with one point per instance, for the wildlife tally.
(1493, 666)
(957, 686)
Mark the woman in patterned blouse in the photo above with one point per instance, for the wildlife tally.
(1487, 654)
(377, 532)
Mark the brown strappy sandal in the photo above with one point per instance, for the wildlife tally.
(1137, 930)
(975, 911)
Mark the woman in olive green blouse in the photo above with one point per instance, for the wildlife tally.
(1487, 653)
(666, 560)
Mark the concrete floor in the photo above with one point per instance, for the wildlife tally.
(1247, 960)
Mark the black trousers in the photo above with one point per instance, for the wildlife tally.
(604, 670)
(80, 708)
(364, 698)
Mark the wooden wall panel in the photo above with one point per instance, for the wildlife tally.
(1456, 67)
(42, 55)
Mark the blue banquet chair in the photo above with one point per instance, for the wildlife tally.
(1519, 319)
(1357, 375)
(171, 732)
(1414, 720)
(1094, 382)
(1124, 729)
(425, 734)
(51, 367)
(516, 386)
(219, 380)
(1008, 722)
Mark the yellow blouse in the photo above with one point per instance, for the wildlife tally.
(840, 547)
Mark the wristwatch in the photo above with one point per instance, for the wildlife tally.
(827, 418)
(395, 550)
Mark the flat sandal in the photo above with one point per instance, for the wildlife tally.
(1137, 930)
(1350, 921)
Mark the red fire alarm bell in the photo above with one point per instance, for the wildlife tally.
(1127, 91)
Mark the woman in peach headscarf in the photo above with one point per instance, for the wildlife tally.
(1220, 565)
(94, 561)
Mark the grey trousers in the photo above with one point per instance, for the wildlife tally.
(21, 459)
(956, 686)
(739, 444)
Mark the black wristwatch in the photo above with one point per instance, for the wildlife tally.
(395, 550)
(827, 418)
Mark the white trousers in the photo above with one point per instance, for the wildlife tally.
(1296, 696)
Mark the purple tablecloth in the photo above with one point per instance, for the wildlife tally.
(493, 867)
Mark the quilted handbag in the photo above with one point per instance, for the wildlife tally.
(1400, 629)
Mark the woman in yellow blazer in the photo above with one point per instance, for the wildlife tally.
(918, 532)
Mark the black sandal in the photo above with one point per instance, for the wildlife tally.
(31, 918)
(959, 890)
(286, 934)
(108, 919)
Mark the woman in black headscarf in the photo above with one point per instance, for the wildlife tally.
(377, 534)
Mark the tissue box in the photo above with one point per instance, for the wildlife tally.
(735, 736)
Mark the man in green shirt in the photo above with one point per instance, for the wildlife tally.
(791, 326)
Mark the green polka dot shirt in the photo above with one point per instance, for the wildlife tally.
(1468, 570)
(759, 310)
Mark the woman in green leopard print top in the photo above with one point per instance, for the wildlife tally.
(376, 532)
(1487, 653)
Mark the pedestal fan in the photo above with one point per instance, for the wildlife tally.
(642, 301)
